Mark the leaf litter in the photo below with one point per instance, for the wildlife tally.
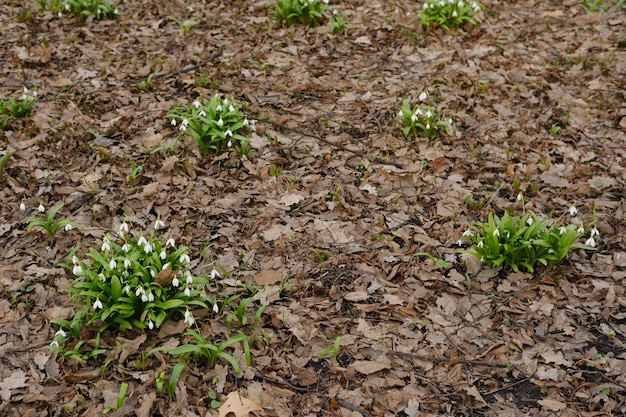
(327, 232)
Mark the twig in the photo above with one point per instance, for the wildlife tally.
(380, 129)
(160, 75)
(351, 407)
(280, 382)
(376, 159)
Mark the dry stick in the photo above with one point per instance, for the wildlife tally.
(376, 159)
(160, 75)
(351, 407)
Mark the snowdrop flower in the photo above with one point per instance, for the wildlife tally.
(219, 107)
(175, 282)
(441, 3)
(590, 242)
(461, 4)
(196, 104)
(202, 113)
(74, 260)
(150, 325)
(189, 278)
(127, 289)
(573, 211)
(454, 14)
(112, 264)
(183, 127)
(325, 1)
(214, 274)
(163, 254)
(126, 247)
(414, 118)
(562, 230)
(226, 102)
(106, 245)
(139, 291)
(246, 122)
(123, 229)
(481, 244)
(459, 242)
(230, 143)
(427, 126)
(147, 248)
(419, 112)
(428, 114)
(102, 277)
(97, 305)
(127, 263)
(170, 242)
(54, 343)
(187, 292)
(496, 232)
(144, 298)
(68, 227)
(22, 206)
(520, 197)
(425, 6)
(184, 258)
(142, 241)
(580, 230)
(468, 233)
(594, 232)
(400, 114)
(150, 296)
(529, 221)
(159, 224)
(216, 308)
(166, 266)
(189, 318)
(77, 270)
(231, 108)
(228, 133)
(173, 122)
(41, 208)
(220, 122)
(61, 333)
(152, 273)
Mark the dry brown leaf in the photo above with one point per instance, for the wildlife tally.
(15, 381)
(552, 405)
(368, 367)
(268, 277)
(238, 405)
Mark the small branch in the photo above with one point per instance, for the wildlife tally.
(351, 407)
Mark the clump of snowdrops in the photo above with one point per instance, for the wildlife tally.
(423, 118)
(307, 12)
(448, 14)
(216, 125)
(524, 242)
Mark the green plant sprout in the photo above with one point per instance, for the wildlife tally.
(338, 23)
(334, 351)
(47, 221)
(185, 26)
(306, 12)
(21, 109)
(523, 242)
(448, 13)
(4, 159)
(440, 263)
(424, 118)
(594, 6)
(213, 124)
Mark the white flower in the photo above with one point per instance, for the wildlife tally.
(580, 230)
(97, 305)
(68, 227)
(414, 118)
(219, 107)
(159, 224)
(166, 266)
(197, 104)
(590, 242)
(228, 133)
(184, 258)
(185, 122)
(562, 230)
(325, 1)
(139, 291)
(189, 318)
(496, 232)
(481, 244)
(400, 114)
(468, 233)
(187, 292)
(454, 14)
(460, 4)
(59, 14)
(216, 308)
(127, 263)
(127, 289)
(147, 248)
(419, 112)
(144, 298)
(202, 113)
(163, 254)
(74, 260)
(425, 6)
(427, 126)
(246, 122)
(142, 241)
(54, 343)
(152, 273)
(189, 279)
(230, 143)
(112, 264)
(126, 247)
(170, 242)
(150, 325)
(220, 122)
(231, 108)
(61, 333)
(459, 242)
(573, 211)
(106, 245)
(428, 114)
(123, 229)
(41, 208)
(77, 270)
(529, 221)
(102, 277)
(226, 102)
(182, 128)
(520, 197)
(594, 232)
(214, 274)
(22, 206)
(175, 282)
(173, 122)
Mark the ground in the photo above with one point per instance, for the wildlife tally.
(322, 221)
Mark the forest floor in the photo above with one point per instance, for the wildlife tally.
(322, 222)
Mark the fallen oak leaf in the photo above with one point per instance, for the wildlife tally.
(552, 405)
(238, 405)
